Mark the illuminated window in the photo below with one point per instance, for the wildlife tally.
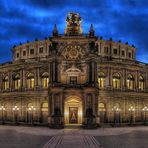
(45, 80)
(101, 107)
(16, 81)
(130, 82)
(116, 80)
(45, 105)
(6, 83)
(141, 83)
(30, 80)
(101, 80)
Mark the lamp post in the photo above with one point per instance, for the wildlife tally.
(31, 110)
(145, 110)
(15, 110)
(131, 110)
(2, 109)
(116, 110)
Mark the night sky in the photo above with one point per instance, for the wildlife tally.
(22, 20)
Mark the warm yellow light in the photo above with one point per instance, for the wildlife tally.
(66, 113)
(80, 113)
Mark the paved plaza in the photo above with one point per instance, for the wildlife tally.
(43, 137)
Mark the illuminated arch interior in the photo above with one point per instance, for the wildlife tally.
(70, 103)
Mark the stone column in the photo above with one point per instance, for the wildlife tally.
(124, 79)
(52, 104)
(97, 109)
(54, 71)
(93, 71)
(84, 105)
(108, 78)
(50, 72)
(61, 104)
(24, 79)
(21, 78)
(90, 72)
(38, 77)
(50, 108)
(35, 77)
(96, 74)
(10, 80)
(137, 80)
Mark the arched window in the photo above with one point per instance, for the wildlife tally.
(6, 83)
(130, 82)
(141, 83)
(101, 80)
(45, 80)
(30, 80)
(16, 80)
(116, 81)
(101, 107)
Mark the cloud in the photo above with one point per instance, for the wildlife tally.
(29, 19)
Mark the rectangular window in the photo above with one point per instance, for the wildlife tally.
(123, 53)
(129, 55)
(73, 80)
(31, 51)
(17, 55)
(24, 53)
(115, 51)
(41, 50)
(106, 50)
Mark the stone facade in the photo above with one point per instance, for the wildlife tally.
(74, 79)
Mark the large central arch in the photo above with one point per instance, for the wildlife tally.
(73, 110)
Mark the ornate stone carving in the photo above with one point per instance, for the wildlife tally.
(73, 52)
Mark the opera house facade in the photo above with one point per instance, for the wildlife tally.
(74, 78)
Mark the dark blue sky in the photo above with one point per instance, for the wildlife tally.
(22, 20)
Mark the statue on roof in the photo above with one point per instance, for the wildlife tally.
(73, 24)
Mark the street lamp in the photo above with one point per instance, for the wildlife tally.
(15, 110)
(131, 110)
(2, 109)
(116, 110)
(31, 110)
(145, 110)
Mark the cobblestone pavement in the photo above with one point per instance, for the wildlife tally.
(43, 137)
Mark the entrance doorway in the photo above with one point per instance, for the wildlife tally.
(44, 113)
(73, 110)
(73, 115)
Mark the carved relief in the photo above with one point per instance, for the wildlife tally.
(73, 52)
